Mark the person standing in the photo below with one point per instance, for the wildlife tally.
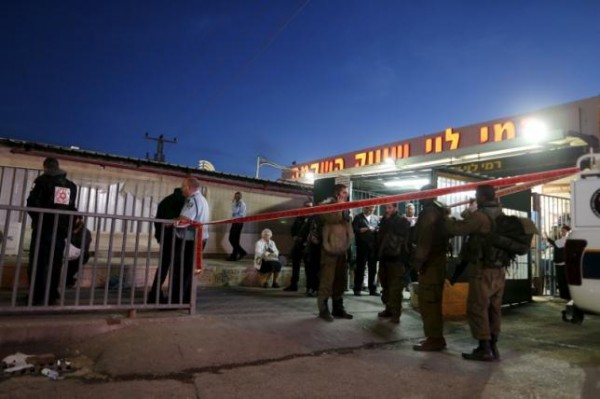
(81, 238)
(336, 239)
(313, 266)
(299, 231)
(365, 226)
(51, 190)
(430, 263)
(410, 275)
(392, 242)
(559, 261)
(168, 208)
(195, 209)
(486, 280)
(238, 210)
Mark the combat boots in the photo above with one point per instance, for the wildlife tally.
(494, 346)
(385, 313)
(324, 311)
(339, 311)
(431, 345)
(482, 353)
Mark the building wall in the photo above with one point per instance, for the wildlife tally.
(110, 190)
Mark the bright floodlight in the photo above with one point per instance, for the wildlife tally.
(390, 161)
(407, 183)
(534, 130)
(310, 176)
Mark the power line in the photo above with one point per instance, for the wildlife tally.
(245, 66)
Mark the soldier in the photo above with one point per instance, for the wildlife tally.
(391, 247)
(336, 239)
(430, 262)
(51, 190)
(486, 281)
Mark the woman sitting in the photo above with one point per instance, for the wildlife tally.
(266, 259)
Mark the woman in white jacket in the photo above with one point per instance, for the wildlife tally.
(266, 259)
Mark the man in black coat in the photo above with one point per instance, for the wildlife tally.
(168, 208)
(51, 190)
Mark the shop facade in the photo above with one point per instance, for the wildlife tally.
(548, 139)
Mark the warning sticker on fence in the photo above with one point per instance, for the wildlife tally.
(62, 195)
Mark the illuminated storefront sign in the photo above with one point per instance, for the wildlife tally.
(441, 143)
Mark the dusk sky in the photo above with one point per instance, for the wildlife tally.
(287, 79)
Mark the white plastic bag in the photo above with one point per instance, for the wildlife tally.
(73, 252)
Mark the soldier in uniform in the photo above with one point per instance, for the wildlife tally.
(336, 239)
(486, 281)
(430, 262)
(51, 190)
(391, 249)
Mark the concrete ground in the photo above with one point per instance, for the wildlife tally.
(257, 343)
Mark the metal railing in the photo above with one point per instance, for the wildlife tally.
(118, 275)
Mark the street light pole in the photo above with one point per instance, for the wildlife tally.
(261, 161)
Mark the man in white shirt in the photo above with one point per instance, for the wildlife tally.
(195, 209)
(238, 210)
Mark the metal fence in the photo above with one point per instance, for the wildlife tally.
(553, 212)
(124, 258)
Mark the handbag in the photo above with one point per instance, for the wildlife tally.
(73, 252)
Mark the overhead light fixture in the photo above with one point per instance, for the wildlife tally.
(310, 177)
(390, 161)
(406, 183)
(534, 130)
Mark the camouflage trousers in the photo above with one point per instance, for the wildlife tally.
(430, 307)
(484, 302)
(333, 278)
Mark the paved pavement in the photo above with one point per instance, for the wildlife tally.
(256, 343)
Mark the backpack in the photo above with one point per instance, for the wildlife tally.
(511, 236)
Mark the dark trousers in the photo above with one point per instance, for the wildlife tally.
(365, 256)
(313, 266)
(561, 281)
(45, 267)
(183, 270)
(234, 239)
(391, 276)
(166, 258)
(299, 255)
(72, 270)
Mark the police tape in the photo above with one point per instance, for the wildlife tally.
(520, 183)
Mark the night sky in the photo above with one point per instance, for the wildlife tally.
(287, 79)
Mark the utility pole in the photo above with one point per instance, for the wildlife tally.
(159, 155)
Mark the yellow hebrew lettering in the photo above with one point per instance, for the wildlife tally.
(438, 144)
(339, 164)
(389, 153)
(378, 156)
(500, 128)
(428, 146)
(405, 151)
(453, 138)
(314, 167)
(484, 134)
(360, 159)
